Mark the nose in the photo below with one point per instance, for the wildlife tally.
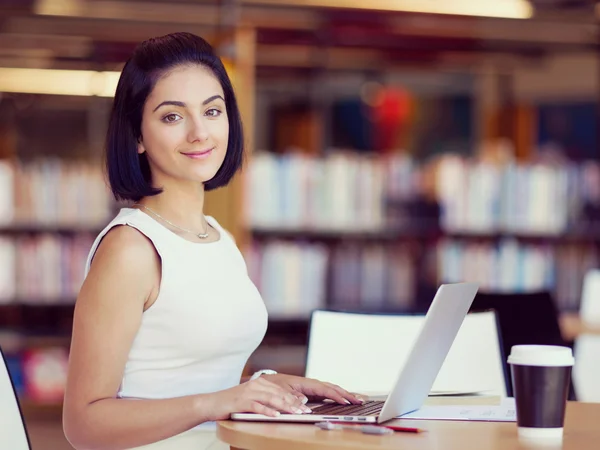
(198, 130)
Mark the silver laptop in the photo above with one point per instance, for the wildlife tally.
(442, 322)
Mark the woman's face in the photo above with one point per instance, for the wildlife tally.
(185, 128)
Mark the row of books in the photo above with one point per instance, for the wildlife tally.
(290, 277)
(53, 192)
(295, 278)
(342, 191)
(510, 266)
(541, 199)
(345, 191)
(372, 277)
(45, 268)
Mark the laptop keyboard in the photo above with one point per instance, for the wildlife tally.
(369, 408)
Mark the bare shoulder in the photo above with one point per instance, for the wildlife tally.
(125, 259)
(125, 245)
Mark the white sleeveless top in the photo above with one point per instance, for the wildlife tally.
(207, 320)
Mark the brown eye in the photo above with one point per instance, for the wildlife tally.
(213, 112)
(170, 118)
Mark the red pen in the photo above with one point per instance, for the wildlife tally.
(404, 429)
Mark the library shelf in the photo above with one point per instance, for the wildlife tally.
(281, 329)
(291, 330)
(382, 235)
(392, 234)
(39, 410)
(567, 237)
(38, 324)
(50, 228)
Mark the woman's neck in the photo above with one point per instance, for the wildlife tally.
(183, 207)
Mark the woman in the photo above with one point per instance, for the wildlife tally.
(167, 316)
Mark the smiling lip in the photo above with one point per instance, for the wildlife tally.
(198, 155)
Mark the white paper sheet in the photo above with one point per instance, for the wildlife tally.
(505, 412)
(382, 396)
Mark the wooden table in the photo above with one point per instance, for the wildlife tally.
(582, 432)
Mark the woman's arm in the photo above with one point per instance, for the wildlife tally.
(124, 278)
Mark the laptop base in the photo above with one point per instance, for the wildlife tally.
(324, 412)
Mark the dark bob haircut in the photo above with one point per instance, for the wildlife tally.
(128, 171)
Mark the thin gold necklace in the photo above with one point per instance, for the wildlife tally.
(200, 235)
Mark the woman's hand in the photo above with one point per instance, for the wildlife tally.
(261, 396)
(316, 390)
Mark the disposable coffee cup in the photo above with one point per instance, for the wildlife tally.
(541, 376)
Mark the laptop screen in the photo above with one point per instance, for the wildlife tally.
(13, 435)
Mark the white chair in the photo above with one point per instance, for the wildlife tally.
(13, 434)
(364, 352)
(586, 371)
(589, 309)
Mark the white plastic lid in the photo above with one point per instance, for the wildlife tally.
(541, 355)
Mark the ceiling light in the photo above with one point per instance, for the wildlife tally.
(513, 9)
(58, 82)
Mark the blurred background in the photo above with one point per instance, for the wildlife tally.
(391, 147)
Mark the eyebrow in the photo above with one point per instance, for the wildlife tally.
(182, 104)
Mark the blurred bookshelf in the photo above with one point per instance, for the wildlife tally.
(370, 187)
(537, 231)
(379, 233)
(51, 211)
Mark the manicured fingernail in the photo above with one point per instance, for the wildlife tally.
(277, 413)
(306, 409)
(346, 401)
(305, 400)
(297, 410)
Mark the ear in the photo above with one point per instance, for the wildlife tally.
(140, 146)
